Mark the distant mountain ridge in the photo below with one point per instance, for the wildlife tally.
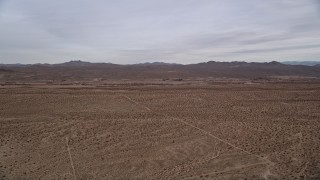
(78, 63)
(156, 63)
(305, 63)
(86, 71)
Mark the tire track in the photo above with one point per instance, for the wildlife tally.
(202, 130)
(71, 160)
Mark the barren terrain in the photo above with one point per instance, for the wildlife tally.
(199, 131)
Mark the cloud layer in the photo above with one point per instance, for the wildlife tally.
(181, 31)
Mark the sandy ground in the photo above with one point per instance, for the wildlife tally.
(172, 132)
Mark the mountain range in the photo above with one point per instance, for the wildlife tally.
(306, 63)
(86, 71)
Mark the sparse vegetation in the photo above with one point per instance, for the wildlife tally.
(159, 132)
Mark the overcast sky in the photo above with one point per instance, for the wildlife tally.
(180, 31)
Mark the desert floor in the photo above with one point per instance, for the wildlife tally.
(269, 131)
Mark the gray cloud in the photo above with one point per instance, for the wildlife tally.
(279, 49)
(183, 31)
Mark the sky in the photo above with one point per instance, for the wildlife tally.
(173, 31)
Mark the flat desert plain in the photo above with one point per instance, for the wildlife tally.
(248, 131)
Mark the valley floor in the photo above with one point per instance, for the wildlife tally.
(248, 131)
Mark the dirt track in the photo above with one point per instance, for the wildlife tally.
(176, 132)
